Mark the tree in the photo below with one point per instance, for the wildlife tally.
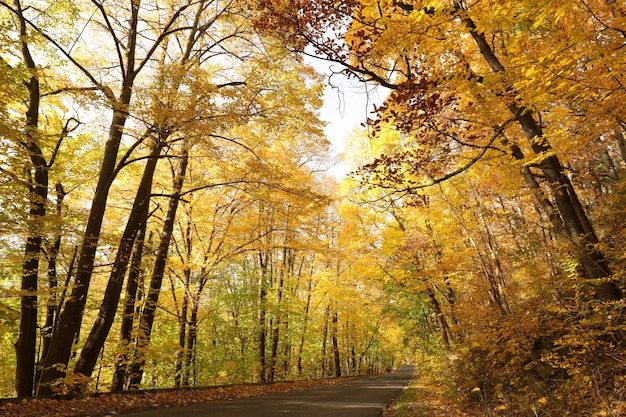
(164, 127)
(199, 109)
(131, 60)
(26, 344)
(443, 74)
(32, 138)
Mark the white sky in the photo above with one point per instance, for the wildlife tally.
(347, 104)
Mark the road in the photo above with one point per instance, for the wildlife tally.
(366, 397)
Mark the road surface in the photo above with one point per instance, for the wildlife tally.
(366, 397)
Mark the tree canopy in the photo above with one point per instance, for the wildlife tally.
(168, 219)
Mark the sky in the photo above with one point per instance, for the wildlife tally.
(347, 104)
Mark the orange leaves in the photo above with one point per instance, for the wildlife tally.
(302, 22)
(457, 77)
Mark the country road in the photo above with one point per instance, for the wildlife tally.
(366, 397)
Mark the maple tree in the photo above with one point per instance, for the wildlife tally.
(476, 273)
(69, 319)
(41, 143)
(452, 124)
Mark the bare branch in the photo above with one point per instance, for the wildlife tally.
(67, 129)
(103, 88)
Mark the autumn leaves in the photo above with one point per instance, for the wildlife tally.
(484, 188)
(192, 215)
(519, 107)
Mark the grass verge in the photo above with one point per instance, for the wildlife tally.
(425, 396)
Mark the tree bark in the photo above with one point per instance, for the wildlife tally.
(307, 308)
(25, 347)
(138, 215)
(335, 342)
(192, 336)
(120, 380)
(324, 343)
(152, 299)
(277, 320)
(621, 142)
(441, 319)
(182, 329)
(183, 339)
(353, 359)
(262, 317)
(53, 299)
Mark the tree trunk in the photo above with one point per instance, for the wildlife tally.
(180, 372)
(545, 204)
(277, 323)
(71, 316)
(138, 215)
(152, 299)
(621, 142)
(485, 261)
(25, 347)
(353, 360)
(53, 299)
(192, 335)
(577, 225)
(607, 162)
(496, 274)
(120, 380)
(451, 298)
(262, 316)
(441, 319)
(182, 330)
(324, 343)
(335, 342)
(307, 308)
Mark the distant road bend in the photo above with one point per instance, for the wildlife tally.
(366, 397)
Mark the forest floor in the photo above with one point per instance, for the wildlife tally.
(117, 403)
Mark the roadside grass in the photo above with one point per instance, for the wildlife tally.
(424, 398)
(427, 395)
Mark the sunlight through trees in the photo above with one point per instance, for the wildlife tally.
(168, 218)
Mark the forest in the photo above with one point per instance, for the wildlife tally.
(168, 215)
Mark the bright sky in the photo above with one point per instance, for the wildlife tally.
(347, 104)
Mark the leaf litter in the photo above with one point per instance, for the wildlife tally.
(112, 404)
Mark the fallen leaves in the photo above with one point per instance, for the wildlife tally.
(116, 403)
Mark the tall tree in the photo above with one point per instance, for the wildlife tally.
(26, 344)
(474, 72)
(138, 216)
(32, 139)
(164, 124)
(154, 290)
(132, 58)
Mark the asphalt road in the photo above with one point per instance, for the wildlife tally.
(366, 397)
